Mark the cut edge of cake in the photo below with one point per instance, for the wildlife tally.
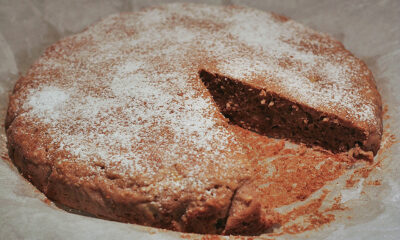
(268, 113)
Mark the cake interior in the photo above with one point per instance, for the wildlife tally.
(269, 114)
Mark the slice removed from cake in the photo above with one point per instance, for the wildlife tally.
(269, 113)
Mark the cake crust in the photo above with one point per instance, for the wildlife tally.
(117, 121)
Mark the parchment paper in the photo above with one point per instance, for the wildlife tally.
(370, 29)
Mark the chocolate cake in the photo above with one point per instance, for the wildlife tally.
(135, 118)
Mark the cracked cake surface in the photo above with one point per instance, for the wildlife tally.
(116, 120)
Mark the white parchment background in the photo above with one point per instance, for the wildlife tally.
(370, 29)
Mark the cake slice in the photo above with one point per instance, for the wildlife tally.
(260, 109)
(281, 79)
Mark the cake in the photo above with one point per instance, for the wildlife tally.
(136, 118)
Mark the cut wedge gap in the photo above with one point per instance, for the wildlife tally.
(267, 113)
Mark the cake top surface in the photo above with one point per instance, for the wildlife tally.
(126, 92)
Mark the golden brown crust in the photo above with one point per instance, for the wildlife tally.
(103, 196)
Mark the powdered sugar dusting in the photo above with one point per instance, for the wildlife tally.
(48, 103)
(301, 72)
(127, 93)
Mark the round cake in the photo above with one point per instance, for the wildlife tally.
(140, 118)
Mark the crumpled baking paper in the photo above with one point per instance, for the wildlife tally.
(370, 29)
